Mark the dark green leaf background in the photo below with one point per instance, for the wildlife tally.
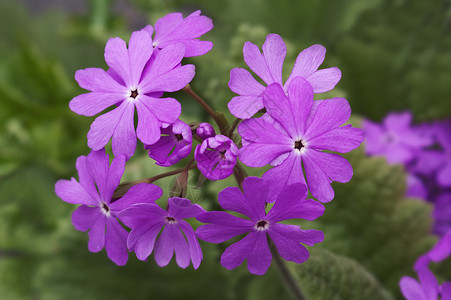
(394, 55)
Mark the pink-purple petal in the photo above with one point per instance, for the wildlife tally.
(330, 114)
(103, 127)
(84, 217)
(93, 103)
(256, 62)
(143, 239)
(115, 172)
(97, 234)
(115, 242)
(124, 136)
(255, 192)
(243, 83)
(98, 80)
(324, 80)
(259, 257)
(116, 57)
(307, 62)
(166, 110)
(336, 167)
(85, 179)
(172, 81)
(181, 248)
(139, 50)
(98, 164)
(288, 248)
(411, 289)
(244, 107)
(274, 51)
(342, 139)
(231, 198)
(166, 60)
(141, 213)
(235, 254)
(194, 248)
(300, 96)
(288, 172)
(429, 283)
(72, 192)
(182, 208)
(148, 130)
(291, 203)
(317, 180)
(164, 247)
(140, 193)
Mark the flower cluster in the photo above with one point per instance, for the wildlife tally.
(295, 135)
(425, 151)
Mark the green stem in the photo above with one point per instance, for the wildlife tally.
(210, 111)
(287, 277)
(124, 187)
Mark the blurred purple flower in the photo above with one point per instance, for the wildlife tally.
(147, 220)
(394, 139)
(216, 157)
(294, 133)
(416, 187)
(291, 204)
(438, 161)
(426, 289)
(175, 144)
(97, 213)
(173, 29)
(126, 85)
(205, 130)
(442, 214)
(268, 66)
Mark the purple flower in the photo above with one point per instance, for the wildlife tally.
(205, 130)
(426, 289)
(97, 182)
(147, 220)
(439, 160)
(268, 66)
(126, 85)
(416, 187)
(216, 157)
(394, 139)
(294, 133)
(442, 214)
(291, 203)
(173, 29)
(175, 144)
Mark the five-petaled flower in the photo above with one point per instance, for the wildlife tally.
(98, 213)
(295, 132)
(291, 203)
(147, 220)
(133, 80)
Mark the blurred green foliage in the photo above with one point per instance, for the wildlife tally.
(394, 55)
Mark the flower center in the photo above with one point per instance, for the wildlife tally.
(134, 94)
(170, 220)
(179, 137)
(298, 145)
(262, 225)
(104, 208)
(222, 153)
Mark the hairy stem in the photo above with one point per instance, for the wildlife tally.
(234, 125)
(124, 187)
(210, 111)
(287, 277)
